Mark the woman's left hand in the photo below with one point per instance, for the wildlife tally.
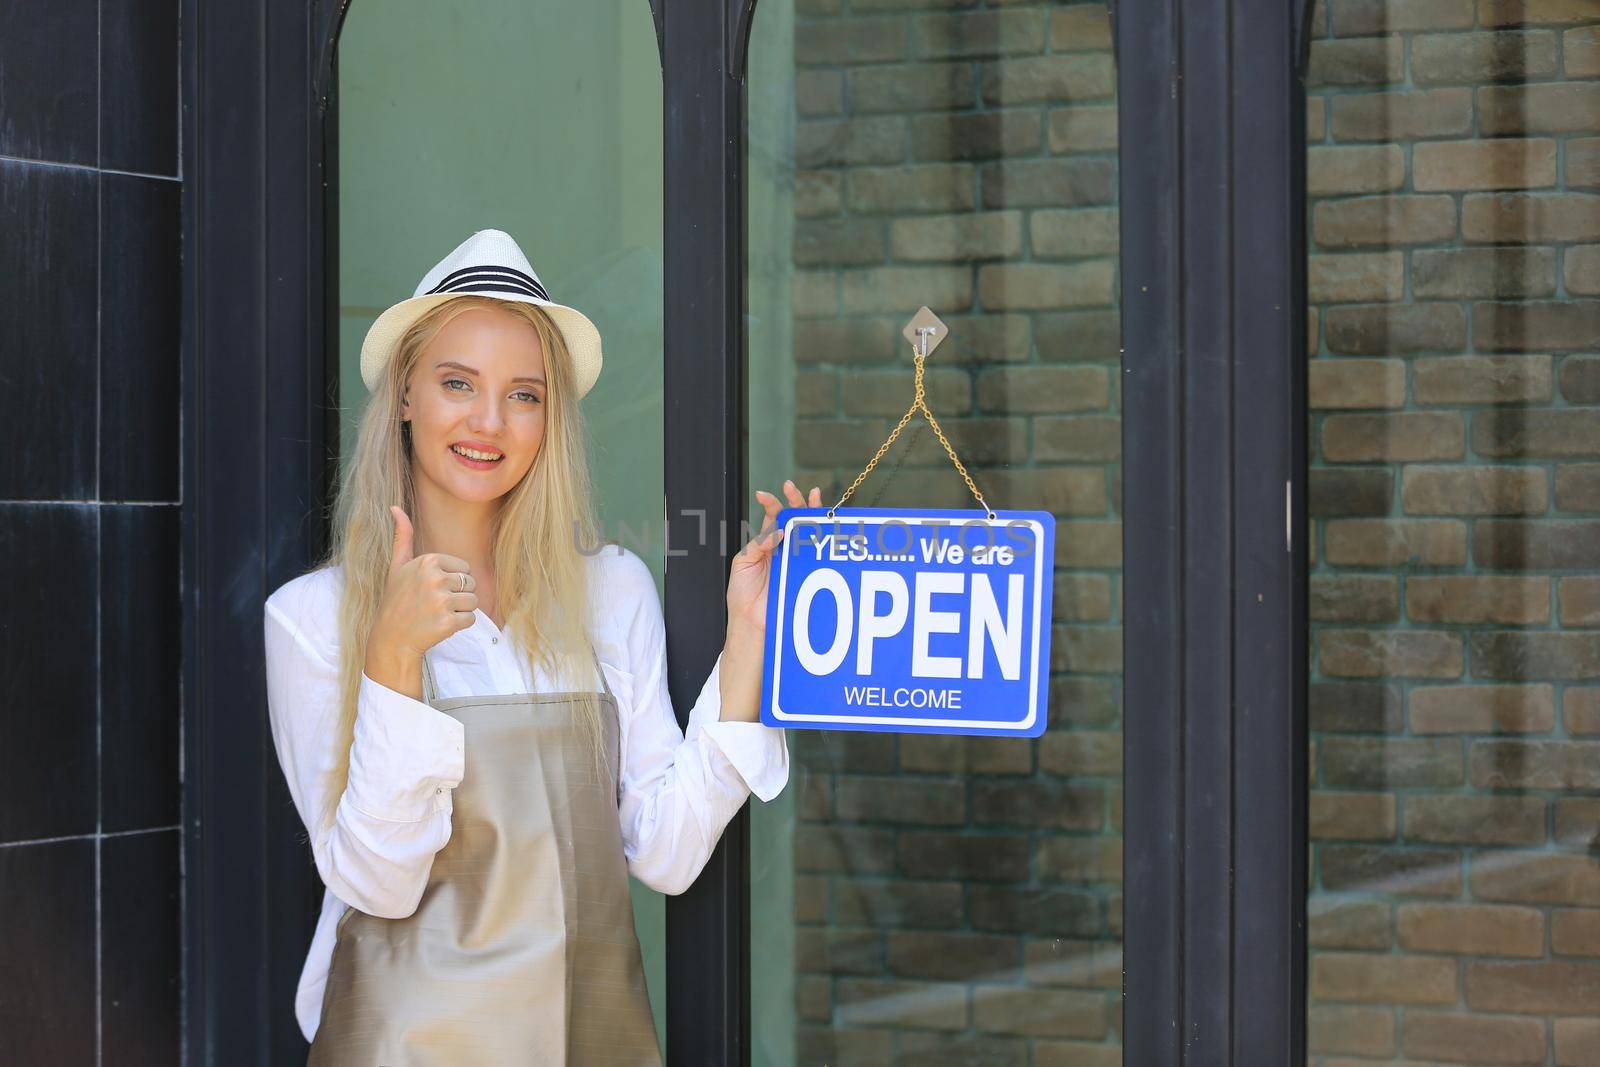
(747, 580)
(744, 646)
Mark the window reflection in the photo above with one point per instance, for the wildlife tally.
(1455, 822)
(926, 899)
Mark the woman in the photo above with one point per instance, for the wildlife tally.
(469, 702)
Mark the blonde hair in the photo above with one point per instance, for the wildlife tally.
(540, 572)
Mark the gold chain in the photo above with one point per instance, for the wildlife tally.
(919, 403)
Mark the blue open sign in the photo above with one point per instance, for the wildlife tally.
(912, 621)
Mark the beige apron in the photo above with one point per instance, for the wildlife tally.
(522, 950)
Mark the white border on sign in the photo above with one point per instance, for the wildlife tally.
(890, 720)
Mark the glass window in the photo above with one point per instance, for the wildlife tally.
(1454, 910)
(919, 898)
(543, 119)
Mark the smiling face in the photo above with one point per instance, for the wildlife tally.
(476, 403)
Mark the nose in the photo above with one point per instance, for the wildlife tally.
(486, 418)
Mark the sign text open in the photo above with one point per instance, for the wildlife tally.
(910, 621)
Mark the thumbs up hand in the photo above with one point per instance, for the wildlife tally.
(403, 535)
(425, 599)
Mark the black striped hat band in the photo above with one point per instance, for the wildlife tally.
(496, 279)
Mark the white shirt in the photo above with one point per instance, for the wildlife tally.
(677, 792)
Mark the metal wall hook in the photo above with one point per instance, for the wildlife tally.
(925, 332)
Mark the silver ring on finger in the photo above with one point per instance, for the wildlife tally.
(463, 576)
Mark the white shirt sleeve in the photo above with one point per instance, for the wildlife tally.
(393, 814)
(678, 791)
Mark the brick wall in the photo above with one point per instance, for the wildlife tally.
(958, 900)
(1455, 700)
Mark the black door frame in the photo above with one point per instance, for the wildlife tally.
(1211, 103)
(1211, 118)
(708, 926)
(254, 446)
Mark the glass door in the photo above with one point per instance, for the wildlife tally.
(1454, 909)
(919, 898)
(435, 127)
(926, 900)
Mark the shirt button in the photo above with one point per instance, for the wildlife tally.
(494, 640)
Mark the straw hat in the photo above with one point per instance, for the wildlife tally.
(489, 263)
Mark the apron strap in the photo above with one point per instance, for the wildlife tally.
(604, 685)
(430, 691)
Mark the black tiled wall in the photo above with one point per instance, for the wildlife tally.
(90, 618)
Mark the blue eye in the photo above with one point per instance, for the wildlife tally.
(451, 383)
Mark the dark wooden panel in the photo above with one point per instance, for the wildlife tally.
(49, 662)
(141, 278)
(140, 627)
(1148, 126)
(1213, 188)
(1269, 549)
(254, 377)
(708, 989)
(48, 319)
(140, 880)
(47, 1010)
(139, 86)
(49, 80)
